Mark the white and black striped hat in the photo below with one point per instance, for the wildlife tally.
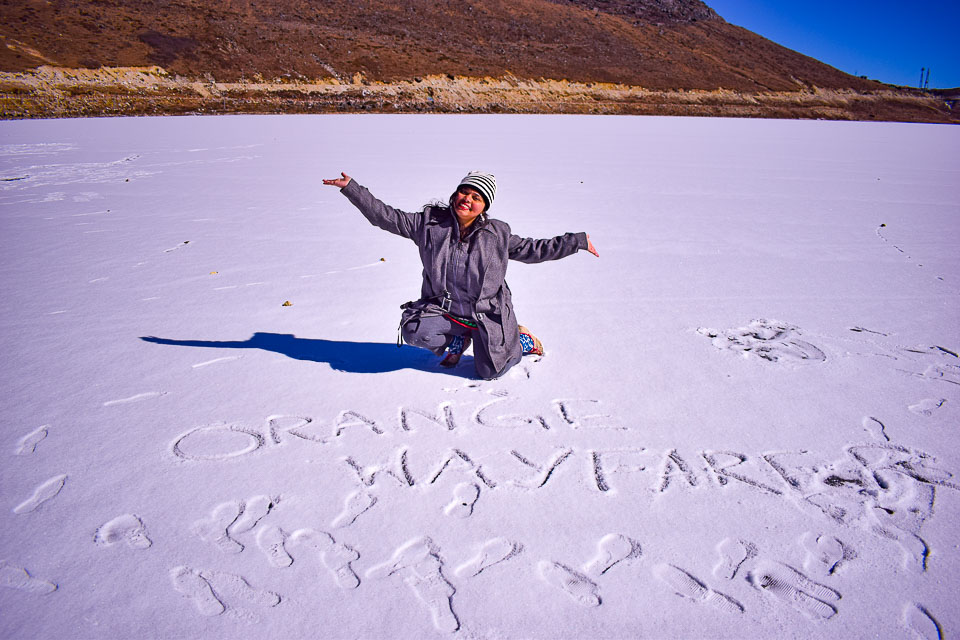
(484, 183)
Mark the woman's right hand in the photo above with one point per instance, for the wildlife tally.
(340, 183)
(592, 249)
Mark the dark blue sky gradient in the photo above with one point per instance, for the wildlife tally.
(886, 40)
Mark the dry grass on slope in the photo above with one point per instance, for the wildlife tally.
(57, 92)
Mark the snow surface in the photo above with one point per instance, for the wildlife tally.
(745, 424)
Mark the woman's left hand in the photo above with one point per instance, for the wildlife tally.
(592, 249)
(340, 183)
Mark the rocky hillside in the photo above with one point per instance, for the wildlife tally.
(664, 46)
(657, 44)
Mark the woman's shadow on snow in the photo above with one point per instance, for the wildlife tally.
(354, 357)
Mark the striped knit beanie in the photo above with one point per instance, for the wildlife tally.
(484, 183)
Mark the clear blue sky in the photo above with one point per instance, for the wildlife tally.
(887, 40)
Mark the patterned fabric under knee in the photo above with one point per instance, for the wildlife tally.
(526, 343)
(456, 345)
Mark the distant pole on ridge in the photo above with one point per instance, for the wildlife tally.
(922, 69)
(926, 83)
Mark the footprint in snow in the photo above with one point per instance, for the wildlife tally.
(418, 561)
(336, 557)
(272, 541)
(20, 579)
(733, 553)
(612, 549)
(43, 493)
(354, 505)
(686, 585)
(210, 591)
(191, 584)
(824, 554)
(576, 585)
(215, 529)
(127, 528)
(791, 587)
(491, 553)
(28, 443)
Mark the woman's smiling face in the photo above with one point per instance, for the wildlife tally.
(468, 204)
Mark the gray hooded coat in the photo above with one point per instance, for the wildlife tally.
(436, 232)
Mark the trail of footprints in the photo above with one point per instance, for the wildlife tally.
(779, 582)
(901, 250)
(19, 578)
(230, 519)
(419, 564)
(897, 512)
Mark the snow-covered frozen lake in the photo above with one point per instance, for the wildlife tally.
(745, 424)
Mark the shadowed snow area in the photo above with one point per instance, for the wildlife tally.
(744, 424)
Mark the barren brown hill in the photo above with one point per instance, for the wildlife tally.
(574, 56)
(657, 44)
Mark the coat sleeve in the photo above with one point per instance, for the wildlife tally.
(530, 250)
(383, 215)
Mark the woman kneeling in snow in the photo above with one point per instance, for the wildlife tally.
(464, 296)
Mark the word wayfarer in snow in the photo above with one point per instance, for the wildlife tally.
(464, 297)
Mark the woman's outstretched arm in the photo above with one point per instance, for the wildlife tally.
(540, 250)
(376, 212)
